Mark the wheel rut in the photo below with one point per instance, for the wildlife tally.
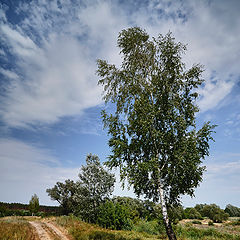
(48, 231)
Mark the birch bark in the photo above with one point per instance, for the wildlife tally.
(167, 223)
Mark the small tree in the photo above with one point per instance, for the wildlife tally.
(63, 193)
(34, 204)
(94, 186)
(154, 137)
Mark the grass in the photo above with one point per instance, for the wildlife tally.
(209, 233)
(84, 231)
(16, 229)
(147, 231)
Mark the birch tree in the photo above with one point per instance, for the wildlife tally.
(34, 204)
(152, 126)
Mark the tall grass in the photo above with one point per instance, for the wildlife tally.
(84, 231)
(16, 229)
(144, 231)
(202, 234)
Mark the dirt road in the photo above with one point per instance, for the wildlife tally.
(48, 231)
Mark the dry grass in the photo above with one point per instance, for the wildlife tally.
(84, 231)
(16, 229)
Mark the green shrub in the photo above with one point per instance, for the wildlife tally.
(114, 216)
(150, 227)
(214, 212)
(192, 213)
(220, 216)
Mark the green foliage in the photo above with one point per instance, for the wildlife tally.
(153, 130)
(139, 209)
(192, 213)
(176, 213)
(19, 209)
(114, 216)
(209, 233)
(63, 193)
(34, 204)
(95, 185)
(214, 212)
(84, 197)
(232, 210)
(150, 227)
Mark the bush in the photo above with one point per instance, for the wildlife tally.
(114, 216)
(192, 213)
(150, 227)
(220, 217)
(214, 212)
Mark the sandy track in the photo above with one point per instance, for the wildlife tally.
(56, 230)
(41, 232)
(48, 231)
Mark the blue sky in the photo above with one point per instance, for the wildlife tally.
(49, 99)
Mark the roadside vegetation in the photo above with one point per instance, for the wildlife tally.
(16, 228)
(149, 230)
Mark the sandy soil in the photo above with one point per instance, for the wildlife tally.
(41, 232)
(48, 231)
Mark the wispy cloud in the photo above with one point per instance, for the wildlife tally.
(27, 169)
(55, 47)
(9, 74)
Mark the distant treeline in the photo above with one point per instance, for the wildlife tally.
(19, 209)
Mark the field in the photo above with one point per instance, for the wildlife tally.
(71, 228)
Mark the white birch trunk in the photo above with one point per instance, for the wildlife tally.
(169, 230)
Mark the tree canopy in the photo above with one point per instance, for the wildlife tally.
(84, 196)
(95, 185)
(34, 204)
(153, 133)
(63, 194)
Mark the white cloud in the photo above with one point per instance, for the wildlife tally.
(26, 169)
(57, 44)
(8, 74)
(220, 182)
(212, 94)
(58, 81)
